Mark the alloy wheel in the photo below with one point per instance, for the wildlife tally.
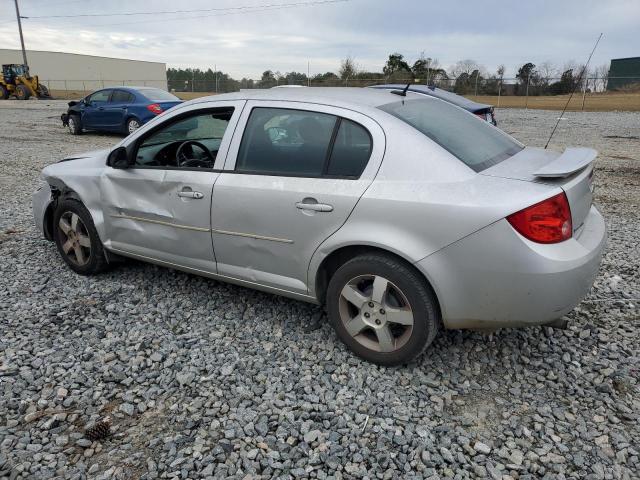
(132, 126)
(376, 313)
(72, 125)
(77, 246)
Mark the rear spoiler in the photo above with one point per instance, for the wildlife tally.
(571, 161)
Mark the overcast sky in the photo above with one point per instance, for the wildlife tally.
(246, 42)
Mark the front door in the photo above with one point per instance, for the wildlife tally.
(160, 208)
(291, 180)
(93, 113)
(116, 109)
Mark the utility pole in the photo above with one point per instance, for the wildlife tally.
(24, 52)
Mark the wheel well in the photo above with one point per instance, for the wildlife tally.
(342, 255)
(58, 194)
(48, 220)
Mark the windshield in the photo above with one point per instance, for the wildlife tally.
(473, 141)
(157, 95)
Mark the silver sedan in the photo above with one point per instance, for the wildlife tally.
(401, 214)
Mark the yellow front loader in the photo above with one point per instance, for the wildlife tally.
(16, 81)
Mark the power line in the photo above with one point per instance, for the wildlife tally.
(200, 10)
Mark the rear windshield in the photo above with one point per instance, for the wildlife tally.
(475, 142)
(157, 95)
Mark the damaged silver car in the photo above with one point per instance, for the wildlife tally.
(401, 214)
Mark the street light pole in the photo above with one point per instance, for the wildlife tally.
(24, 52)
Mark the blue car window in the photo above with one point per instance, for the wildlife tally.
(120, 96)
(101, 96)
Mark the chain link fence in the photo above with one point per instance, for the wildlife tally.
(591, 93)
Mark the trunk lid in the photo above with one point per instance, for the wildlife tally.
(572, 171)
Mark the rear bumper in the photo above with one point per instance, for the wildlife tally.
(497, 278)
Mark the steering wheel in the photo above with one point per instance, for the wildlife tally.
(184, 161)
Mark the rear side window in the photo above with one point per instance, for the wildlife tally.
(351, 150)
(120, 96)
(288, 142)
(473, 141)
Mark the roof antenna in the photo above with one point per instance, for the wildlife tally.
(402, 93)
(573, 91)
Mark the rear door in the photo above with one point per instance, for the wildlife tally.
(115, 111)
(293, 175)
(94, 115)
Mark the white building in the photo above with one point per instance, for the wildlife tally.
(72, 71)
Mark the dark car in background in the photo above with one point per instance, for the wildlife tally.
(117, 109)
(483, 111)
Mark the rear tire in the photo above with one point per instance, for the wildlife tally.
(74, 125)
(77, 238)
(131, 126)
(4, 92)
(22, 92)
(382, 309)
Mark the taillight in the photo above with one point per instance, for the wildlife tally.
(546, 222)
(155, 108)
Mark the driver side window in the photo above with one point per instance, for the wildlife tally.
(188, 142)
(101, 96)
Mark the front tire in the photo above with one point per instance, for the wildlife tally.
(74, 125)
(77, 238)
(382, 309)
(22, 92)
(4, 92)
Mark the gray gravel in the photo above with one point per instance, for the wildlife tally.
(207, 380)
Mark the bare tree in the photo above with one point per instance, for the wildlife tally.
(348, 68)
(547, 71)
(464, 66)
(602, 77)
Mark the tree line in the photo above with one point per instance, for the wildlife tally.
(466, 77)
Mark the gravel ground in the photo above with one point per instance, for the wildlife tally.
(203, 379)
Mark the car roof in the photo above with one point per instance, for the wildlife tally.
(434, 91)
(129, 88)
(336, 96)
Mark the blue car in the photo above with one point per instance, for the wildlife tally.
(117, 109)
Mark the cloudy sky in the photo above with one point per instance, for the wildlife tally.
(246, 37)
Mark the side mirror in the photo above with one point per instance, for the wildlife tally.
(119, 158)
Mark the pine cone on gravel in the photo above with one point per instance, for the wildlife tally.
(101, 429)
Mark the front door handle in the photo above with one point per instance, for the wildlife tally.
(315, 207)
(190, 194)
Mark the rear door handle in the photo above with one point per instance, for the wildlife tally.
(316, 207)
(190, 194)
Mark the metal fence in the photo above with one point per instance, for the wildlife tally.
(512, 92)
